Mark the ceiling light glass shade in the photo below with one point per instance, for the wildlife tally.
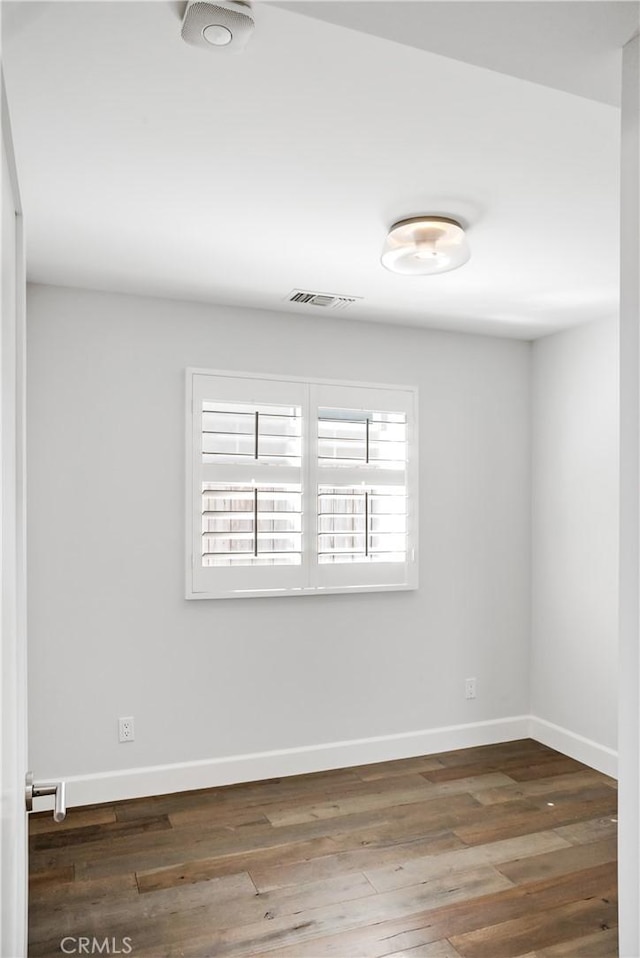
(425, 244)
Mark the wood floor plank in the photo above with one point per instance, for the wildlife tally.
(556, 925)
(133, 809)
(480, 783)
(425, 868)
(371, 773)
(72, 911)
(218, 817)
(513, 767)
(195, 870)
(556, 766)
(265, 906)
(76, 818)
(560, 861)
(541, 787)
(98, 833)
(435, 949)
(80, 892)
(449, 773)
(278, 789)
(591, 830)
(44, 882)
(349, 805)
(499, 850)
(365, 942)
(122, 913)
(527, 749)
(373, 855)
(515, 820)
(593, 793)
(602, 944)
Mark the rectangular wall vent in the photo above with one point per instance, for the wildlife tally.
(325, 300)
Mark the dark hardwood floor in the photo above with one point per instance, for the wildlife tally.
(504, 850)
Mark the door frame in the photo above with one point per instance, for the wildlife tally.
(13, 597)
(629, 644)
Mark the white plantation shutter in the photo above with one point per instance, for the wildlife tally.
(299, 487)
(364, 477)
(246, 485)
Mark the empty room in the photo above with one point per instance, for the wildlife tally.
(320, 439)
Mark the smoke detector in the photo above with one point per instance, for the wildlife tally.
(218, 26)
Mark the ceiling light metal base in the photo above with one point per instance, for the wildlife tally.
(425, 245)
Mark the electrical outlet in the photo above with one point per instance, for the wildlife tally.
(469, 688)
(126, 731)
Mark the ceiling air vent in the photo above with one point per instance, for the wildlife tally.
(325, 300)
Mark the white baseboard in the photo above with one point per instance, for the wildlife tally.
(600, 757)
(209, 773)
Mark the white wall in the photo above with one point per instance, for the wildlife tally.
(110, 631)
(575, 447)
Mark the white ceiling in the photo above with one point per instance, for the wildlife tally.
(568, 45)
(153, 167)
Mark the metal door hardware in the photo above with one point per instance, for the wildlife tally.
(38, 789)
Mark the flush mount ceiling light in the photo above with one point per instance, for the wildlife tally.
(421, 245)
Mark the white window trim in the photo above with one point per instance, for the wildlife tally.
(312, 477)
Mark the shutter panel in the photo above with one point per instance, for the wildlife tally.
(247, 486)
(363, 480)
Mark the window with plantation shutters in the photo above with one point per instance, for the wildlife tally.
(299, 487)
